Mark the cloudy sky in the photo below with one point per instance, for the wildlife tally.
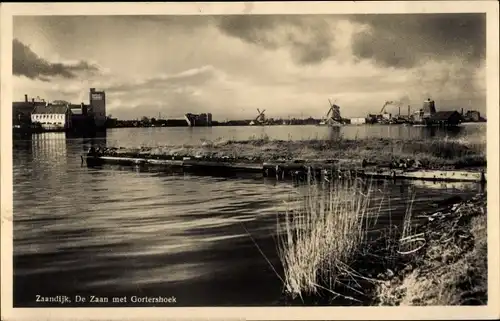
(231, 65)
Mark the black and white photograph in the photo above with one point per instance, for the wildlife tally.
(248, 155)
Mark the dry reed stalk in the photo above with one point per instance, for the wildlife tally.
(323, 235)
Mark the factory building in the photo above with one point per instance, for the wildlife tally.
(198, 120)
(429, 108)
(97, 108)
(81, 116)
(81, 120)
(55, 117)
(21, 110)
(445, 118)
(472, 115)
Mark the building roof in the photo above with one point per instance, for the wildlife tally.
(443, 115)
(50, 109)
(21, 105)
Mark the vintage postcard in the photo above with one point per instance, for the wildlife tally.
(261, 161)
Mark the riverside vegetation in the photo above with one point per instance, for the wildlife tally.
(333, 251)
(435, 153)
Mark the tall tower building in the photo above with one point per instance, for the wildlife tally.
(429, 108)
(98, 106)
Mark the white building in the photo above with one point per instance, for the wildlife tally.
(358, 121)
(52, 117)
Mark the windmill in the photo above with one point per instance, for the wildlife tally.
(260, 119)
(333, 117)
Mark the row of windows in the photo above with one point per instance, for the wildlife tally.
(49, 116)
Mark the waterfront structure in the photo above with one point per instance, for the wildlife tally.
(198, 119)
(333, 117)
(358, 121)
(383, 116)
(473, 116)
(81, 120)
(444, 118)
(21, 111)
(260, 119)
(53, 117)
(97, 100)
(79, 109)
(429, 108)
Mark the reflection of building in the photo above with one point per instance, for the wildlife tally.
(198, 120)
(97, 108)
(50, 149)
(52, 116)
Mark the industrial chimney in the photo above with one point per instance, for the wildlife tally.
(408, 110)
(25, 98)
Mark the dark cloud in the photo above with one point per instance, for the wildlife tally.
(27, 63)
(397, 40)
(309, 38)
(455, 44)
(404, 41)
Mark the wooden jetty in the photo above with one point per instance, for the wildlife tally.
(283, 169)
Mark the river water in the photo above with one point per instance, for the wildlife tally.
(124, 232)
(153, 136)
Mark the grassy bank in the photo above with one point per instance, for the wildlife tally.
(452, 269)
(331, 253)
(430, 153)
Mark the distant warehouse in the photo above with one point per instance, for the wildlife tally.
(358, 121)
(198, 120)
(445, 118)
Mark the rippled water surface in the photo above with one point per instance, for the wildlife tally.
(119, 231)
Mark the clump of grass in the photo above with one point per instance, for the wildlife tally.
(318, 240)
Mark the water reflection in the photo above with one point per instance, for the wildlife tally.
(334, 133)
(124, 232)
(452, 132)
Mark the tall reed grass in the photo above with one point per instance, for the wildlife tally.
(318, 240)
